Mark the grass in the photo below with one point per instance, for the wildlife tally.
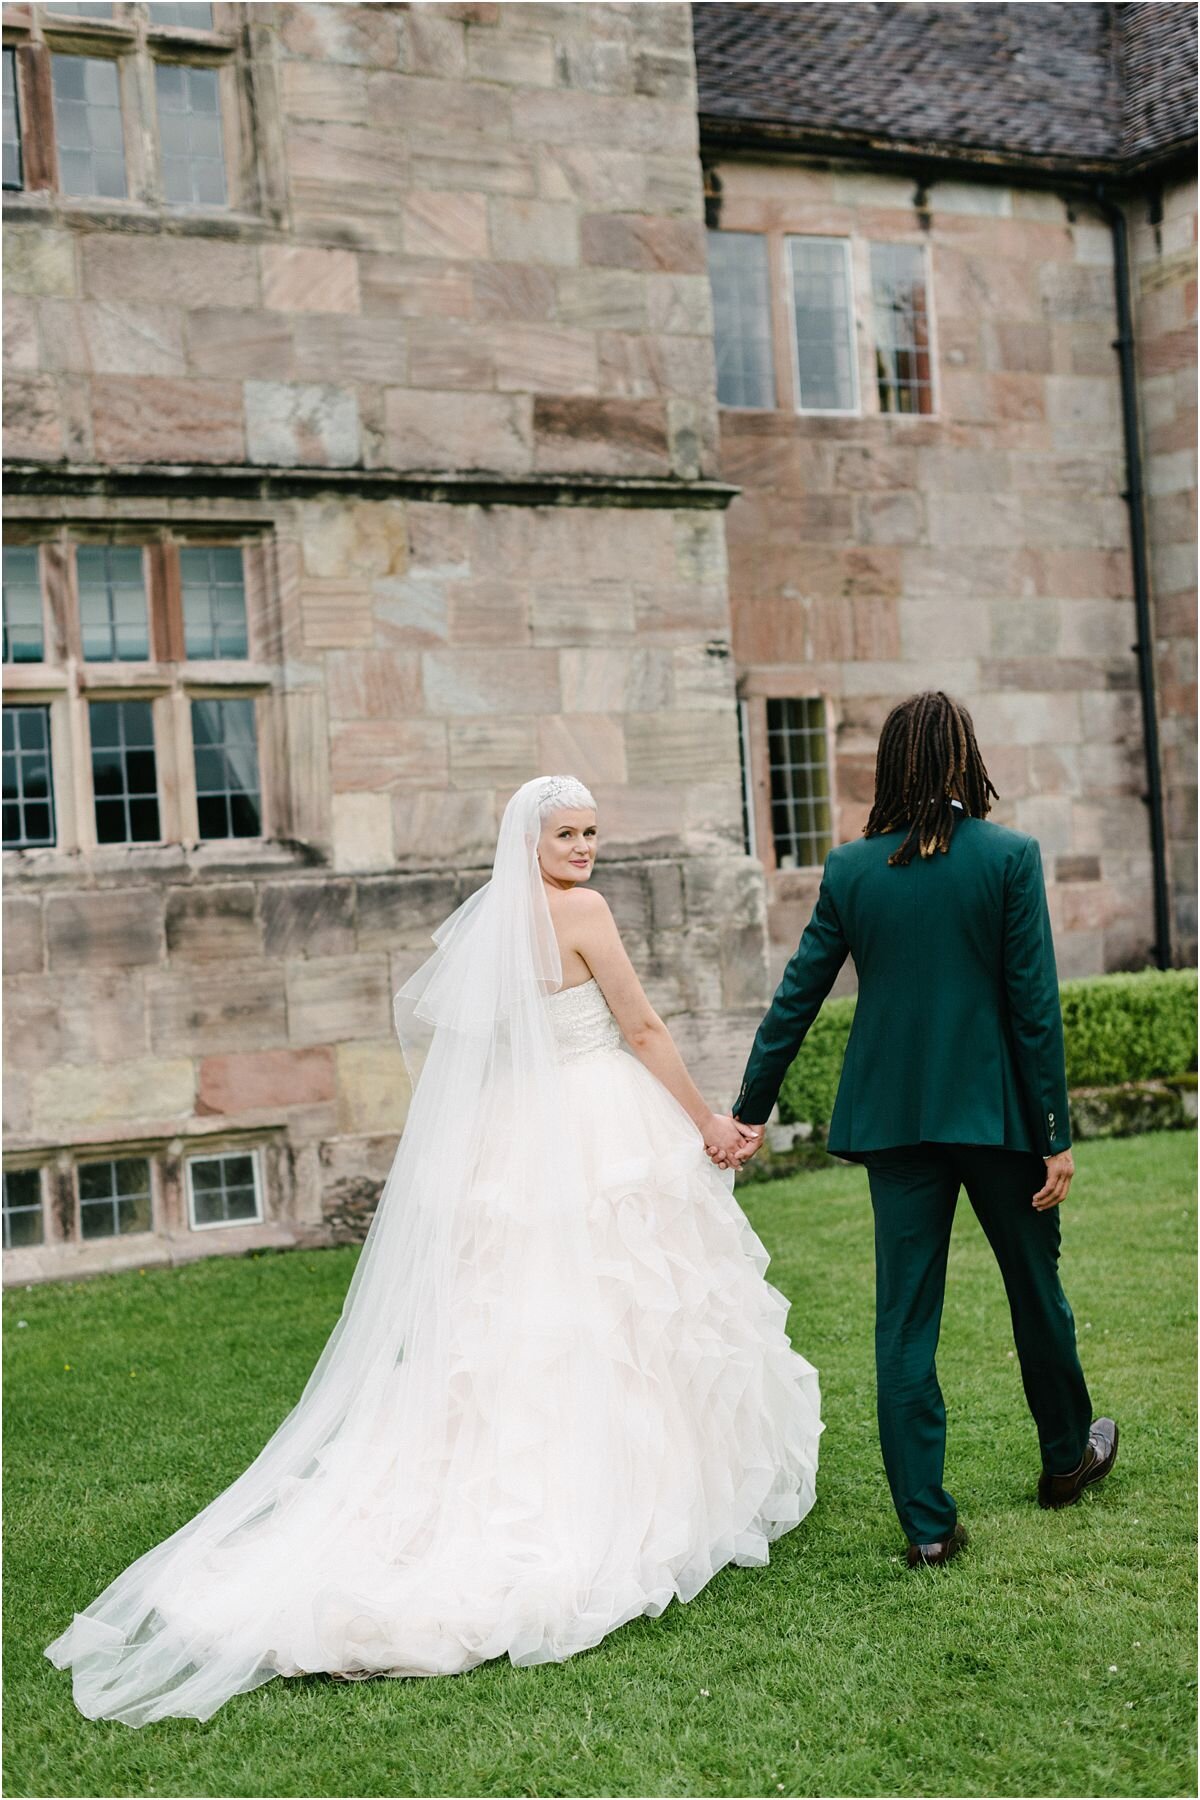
(1056, 1657)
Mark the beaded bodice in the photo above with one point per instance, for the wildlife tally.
(582, 1021)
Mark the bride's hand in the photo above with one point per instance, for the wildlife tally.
(724, 1141)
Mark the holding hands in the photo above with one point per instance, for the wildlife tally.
(730, 1143)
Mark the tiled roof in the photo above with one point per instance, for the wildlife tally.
(1157, 59)
(1060, 84)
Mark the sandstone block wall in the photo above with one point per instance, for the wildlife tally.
(983, 548)
(462, 357)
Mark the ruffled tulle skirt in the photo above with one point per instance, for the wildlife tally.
(624, 1415)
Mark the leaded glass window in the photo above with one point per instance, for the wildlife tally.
(124, 771)
(228, 796)
(223, 1190)
(739, 274)
(114, 1197)
(24, 631)
(801, 805)
(900, 308)
(823, 324)
(214, 601)
(28, 787)
(189, 133)
(13, 176)
(87, 117)
(113, 615)
(197, 16)
(24, 1216)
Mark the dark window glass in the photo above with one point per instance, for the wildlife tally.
(13, 175)
(87, 123)
(189, 134)
(28, 788)
(738, 272)
(747, 778)
(114, 1197)
(228, 797)
(214, 601)
(801, 807)
(899, 303)
(24, 1221)
(24, 639)
(223, 1189)
(113, 616)
(124, 771)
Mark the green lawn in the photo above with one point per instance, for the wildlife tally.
(1056, 1657)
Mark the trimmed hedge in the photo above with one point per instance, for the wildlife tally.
(1129, 1027)
(1116, 1028)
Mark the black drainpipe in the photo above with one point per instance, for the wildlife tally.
(1135, 501)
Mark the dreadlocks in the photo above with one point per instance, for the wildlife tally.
(927, 757)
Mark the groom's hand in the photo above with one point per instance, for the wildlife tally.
(739, 1143)
(723, 1141)
(752, 1140)
(1059, 1170)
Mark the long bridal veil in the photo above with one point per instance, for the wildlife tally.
(372, 1499)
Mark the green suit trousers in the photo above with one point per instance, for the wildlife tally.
(914, 1191)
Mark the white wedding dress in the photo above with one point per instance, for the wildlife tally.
(602, 1410)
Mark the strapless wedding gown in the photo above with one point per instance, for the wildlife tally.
(598, 1453)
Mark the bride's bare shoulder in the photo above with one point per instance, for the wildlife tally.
(583, 907)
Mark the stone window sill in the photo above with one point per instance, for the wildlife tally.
(109, 864)
(48, 206)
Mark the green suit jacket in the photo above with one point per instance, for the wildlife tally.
(957, 1033)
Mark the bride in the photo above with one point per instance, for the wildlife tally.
(560, 1392)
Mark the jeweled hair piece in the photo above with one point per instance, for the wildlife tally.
(563, 791)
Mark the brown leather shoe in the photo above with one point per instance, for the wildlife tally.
(1098, 1459)
(932, 1556)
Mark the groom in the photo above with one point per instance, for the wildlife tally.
(954, 1076)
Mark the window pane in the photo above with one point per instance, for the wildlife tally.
(13, 175)
(801, 809)
(214, 601)
(124, 773)
(28, 789)
(85, 9)
(23, 1219)
(87, 115)
(198, 17)
(228, 798)
(114, 1197)
(189, 127)
(113, 615)
(741, 291)
(900, 311)
(823, 323)
(23, 629)
(223, 1189)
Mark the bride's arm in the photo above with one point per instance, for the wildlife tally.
(599, 943)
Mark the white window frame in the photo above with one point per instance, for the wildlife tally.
(250, 1150)
(771, 405)
(68, 685)
(828, 734)
(118, 1154)
(20, 1168)
(935, 384)
(826, 412)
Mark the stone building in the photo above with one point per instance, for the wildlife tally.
(366, 452)
(914, 215)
